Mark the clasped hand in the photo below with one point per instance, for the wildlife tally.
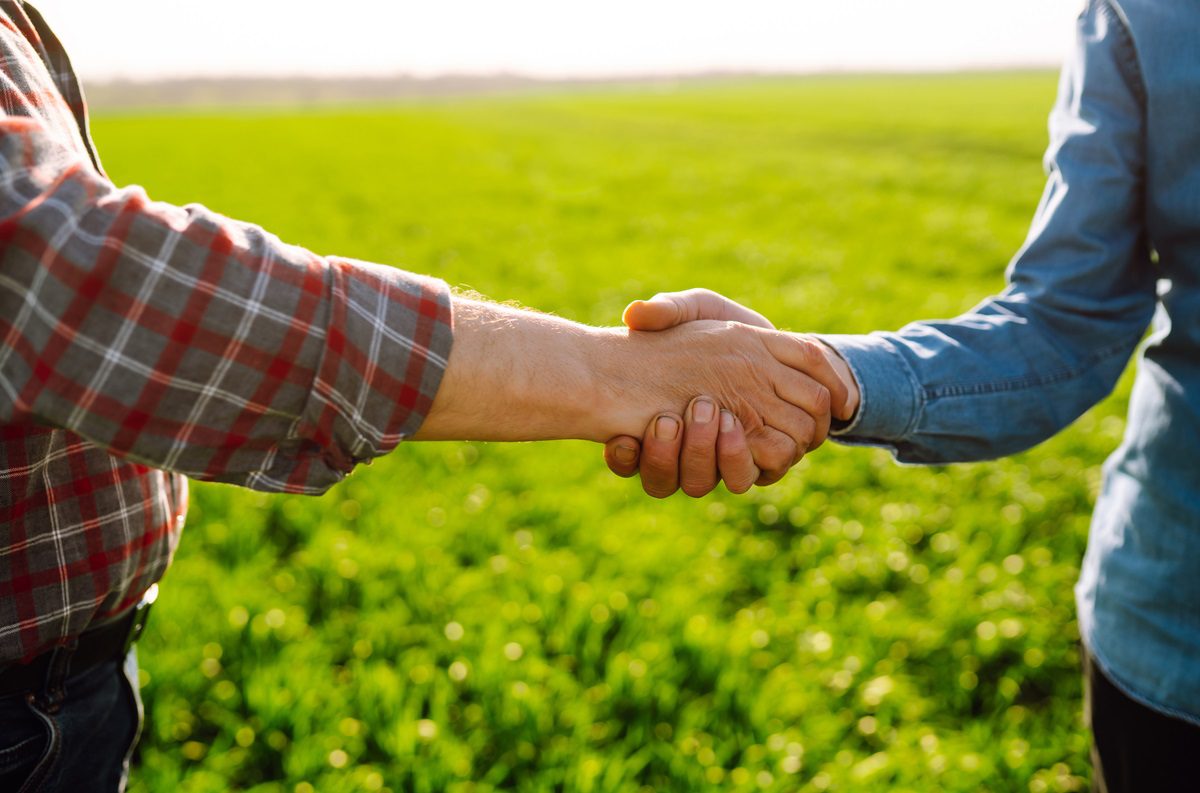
(733, 434)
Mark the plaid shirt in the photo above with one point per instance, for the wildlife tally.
(143, 343)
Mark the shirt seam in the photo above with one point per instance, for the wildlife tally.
(1024, 383)
(1128, 50)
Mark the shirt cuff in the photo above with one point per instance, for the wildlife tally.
(890, 397)
(386, 350)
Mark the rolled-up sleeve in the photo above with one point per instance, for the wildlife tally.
(194, 343)
(1020, 366)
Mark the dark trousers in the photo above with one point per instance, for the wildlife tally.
(1136, 749)
(75, 733)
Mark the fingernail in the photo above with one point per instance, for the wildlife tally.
(666, 428)
(625, 454)
(702, 411)
(726, 421)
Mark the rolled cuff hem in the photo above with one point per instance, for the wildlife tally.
(890, 397)
(387, 348)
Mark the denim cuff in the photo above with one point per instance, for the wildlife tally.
(890, 398)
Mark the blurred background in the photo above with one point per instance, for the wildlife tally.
(149, 40)
(473, 617)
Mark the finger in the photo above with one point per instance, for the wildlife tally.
(773, 452)
(621, 454)
(653, 314)
(795, 423)
(698, 461)
(734, 460)
(801, 391)
(668, 309)
(660, 455)
(810, 357)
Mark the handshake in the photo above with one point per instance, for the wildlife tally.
(775, 398)
(712, 390)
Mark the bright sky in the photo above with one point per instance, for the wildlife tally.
(553, 38)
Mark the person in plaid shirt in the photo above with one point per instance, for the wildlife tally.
(144, 344)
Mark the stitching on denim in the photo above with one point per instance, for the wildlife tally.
(914, 418)
(1128, 50)
(47, 762)
(1022, 383)
(19, 752)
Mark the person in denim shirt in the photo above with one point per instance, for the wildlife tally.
(1115, 245)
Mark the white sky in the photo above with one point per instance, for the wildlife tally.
(162, 38)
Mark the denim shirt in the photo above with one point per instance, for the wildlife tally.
(1115, 244)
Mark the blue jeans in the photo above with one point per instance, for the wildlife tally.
(75, 733)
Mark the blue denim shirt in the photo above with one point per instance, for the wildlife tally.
(1114, 245)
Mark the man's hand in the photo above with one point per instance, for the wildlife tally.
(691, 454)
(693, 458)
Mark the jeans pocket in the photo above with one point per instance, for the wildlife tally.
(24, 740)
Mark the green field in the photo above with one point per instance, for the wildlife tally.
(472, 617)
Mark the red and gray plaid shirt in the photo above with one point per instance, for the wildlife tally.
(143, 343)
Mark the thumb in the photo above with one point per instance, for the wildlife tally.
(657, 313)
(668, 309)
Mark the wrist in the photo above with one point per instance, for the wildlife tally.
(517, 375)
(622, 378)
(568, 390)
(843, 370)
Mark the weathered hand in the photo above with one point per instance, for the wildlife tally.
(691, 454)
(732, 453)
(764, 377)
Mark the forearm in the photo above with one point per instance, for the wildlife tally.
(516, 375)
(991, 383)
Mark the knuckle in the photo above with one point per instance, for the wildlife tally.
(657, 472)
(807, 431)
(769, 478)
(661, 479)
(701, 440)
(658, 489)
(732, 455)
(810, 354)
(776, 459)
(822, 400)
(739, 485)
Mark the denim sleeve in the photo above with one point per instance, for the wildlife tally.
(1022, 365)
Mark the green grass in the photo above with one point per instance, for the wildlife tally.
(475, 617)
